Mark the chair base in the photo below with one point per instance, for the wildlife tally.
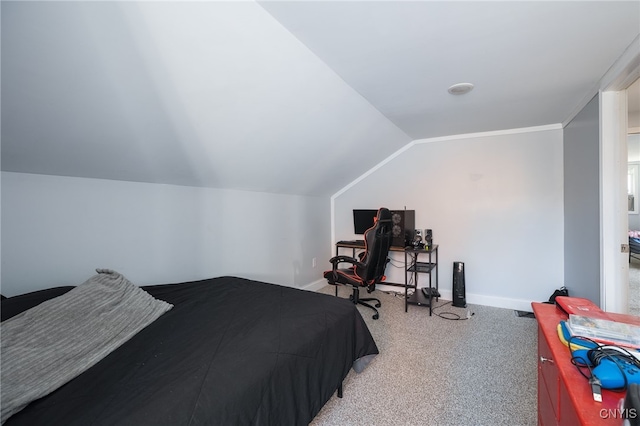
(369, 299)
(355, 298)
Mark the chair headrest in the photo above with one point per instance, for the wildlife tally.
(384, 215)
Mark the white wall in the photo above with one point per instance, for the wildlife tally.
(494, 201)
(57, 230)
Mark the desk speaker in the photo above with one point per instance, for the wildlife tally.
(403, 227)
(459, 297)
(428, 237)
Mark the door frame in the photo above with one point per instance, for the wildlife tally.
(614, 264)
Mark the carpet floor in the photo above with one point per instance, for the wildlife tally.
(634, 286)
(434, 371)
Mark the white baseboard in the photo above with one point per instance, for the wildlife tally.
(474, 299)
(500, 302)
(316, 285)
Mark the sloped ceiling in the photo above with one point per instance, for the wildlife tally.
(532, 63)
(284, 97)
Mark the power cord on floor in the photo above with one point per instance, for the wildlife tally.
(453, 316)
(397, 294)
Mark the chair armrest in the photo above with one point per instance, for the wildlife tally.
(343, 259)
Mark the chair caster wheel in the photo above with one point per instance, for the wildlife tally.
(378, 305)
(376, 316)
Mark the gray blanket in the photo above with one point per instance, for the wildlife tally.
(46, 346)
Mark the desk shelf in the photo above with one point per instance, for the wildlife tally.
(423, 267)
(418, 298)
(415, 267)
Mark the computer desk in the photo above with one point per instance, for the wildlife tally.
(412, 267)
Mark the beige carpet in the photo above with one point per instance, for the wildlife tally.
(433, 371)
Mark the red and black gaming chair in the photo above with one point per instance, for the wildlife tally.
(369, 270)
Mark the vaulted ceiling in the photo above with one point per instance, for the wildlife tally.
(286, 97)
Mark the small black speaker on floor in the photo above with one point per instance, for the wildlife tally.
(459, 298)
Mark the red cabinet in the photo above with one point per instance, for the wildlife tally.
(548, 384)
(564, 395)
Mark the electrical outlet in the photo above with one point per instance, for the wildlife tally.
(314, 262)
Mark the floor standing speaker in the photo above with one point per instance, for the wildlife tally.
(459, 298)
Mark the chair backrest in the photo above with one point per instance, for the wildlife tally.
(377, 240)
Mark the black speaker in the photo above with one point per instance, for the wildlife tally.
(459, 298)
(417, 239)
(428, 237)
(404, 224)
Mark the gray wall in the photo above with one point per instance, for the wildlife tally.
(582, 203)
(57, 230)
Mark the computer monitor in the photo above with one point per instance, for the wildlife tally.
(363, 220)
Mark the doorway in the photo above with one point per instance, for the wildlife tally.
(633, 183)
(614, 217)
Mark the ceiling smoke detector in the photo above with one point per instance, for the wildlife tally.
(460, 88)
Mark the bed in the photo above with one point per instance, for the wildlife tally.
(229, 351)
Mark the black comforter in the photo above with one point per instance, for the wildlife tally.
(231, 352)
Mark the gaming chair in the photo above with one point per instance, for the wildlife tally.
(369, 269)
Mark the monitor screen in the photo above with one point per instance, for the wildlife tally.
(363, 220)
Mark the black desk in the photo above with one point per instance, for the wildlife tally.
(411, 266)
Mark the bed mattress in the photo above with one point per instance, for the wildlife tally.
(231, 351)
